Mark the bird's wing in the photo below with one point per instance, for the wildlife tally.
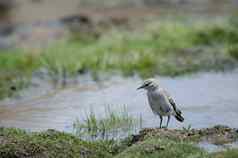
(172, 102)
(158, 102)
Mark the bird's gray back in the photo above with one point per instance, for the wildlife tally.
(159, 102)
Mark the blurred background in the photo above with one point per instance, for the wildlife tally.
(61, 58)
(29, 18)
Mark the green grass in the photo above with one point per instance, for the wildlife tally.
(16, 67)
(165, 148)
(233, 51)
(167, 47)
(51, 143)
(18, 60)
(115, 124)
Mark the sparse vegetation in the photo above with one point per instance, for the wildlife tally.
(233, 51)
(187, 129)
(113, 126)
(16, 69)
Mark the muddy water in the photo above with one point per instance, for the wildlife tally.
(206, 99)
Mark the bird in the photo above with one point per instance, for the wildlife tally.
(161, 103)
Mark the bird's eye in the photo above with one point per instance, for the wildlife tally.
(147, 84)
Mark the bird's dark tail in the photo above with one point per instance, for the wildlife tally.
(179, 117)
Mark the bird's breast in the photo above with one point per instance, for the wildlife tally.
(158, 103)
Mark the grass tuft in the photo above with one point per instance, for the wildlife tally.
(113, 126)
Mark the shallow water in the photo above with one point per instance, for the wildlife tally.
(206, 99)
(215, 148)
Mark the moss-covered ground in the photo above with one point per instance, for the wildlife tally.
(152, 143)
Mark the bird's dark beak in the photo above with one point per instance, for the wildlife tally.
(140, 87)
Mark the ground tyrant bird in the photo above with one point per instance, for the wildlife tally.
(160, 101)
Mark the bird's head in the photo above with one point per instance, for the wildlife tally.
(149, 84)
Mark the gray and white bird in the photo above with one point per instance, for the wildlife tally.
(160, 101)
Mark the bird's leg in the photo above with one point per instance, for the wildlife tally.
(161, 120)
(168, 121)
